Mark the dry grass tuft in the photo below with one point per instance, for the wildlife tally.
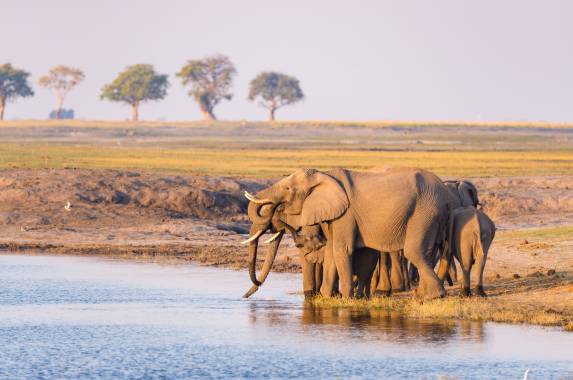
(471, 309)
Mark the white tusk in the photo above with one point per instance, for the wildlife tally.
(254, 199)
(255, 236)
(272, 238)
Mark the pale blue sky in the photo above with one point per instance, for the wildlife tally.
(356, 60)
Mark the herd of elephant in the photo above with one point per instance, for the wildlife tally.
(373, 233)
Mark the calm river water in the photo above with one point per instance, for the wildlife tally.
(78, 317)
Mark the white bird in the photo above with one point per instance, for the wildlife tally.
(526, 373)
(68, 206)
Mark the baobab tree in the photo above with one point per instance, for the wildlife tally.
(61, 79)
(275, 90)
(13, 84)
(137, 84)
(211, 80)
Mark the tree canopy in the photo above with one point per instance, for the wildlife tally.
(13, 84)
(275, 90)
(61, 79)
(211, 80)
(137, 84)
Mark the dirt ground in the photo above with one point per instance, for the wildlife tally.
(203, 219)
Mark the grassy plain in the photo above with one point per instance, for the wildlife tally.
(259, 149)
(277, 162)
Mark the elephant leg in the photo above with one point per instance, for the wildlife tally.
(466, 291)
(364, 262)
(465, 258)
(396, 278)
(375, 278)
(453, 273)
(329, 283)
(373, 259)
(343, 232)
(413, 275)
(343, 263)
(384, 287)
(308, 278)
(329, 276)
(417, 248)
(480, 265)
(317, 277)
(405, 275)
(429, 285)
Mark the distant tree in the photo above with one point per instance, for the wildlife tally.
(62, 114)
(13, 84)
(61, 79)
(275, 90)
(137, 84)
(211, 80)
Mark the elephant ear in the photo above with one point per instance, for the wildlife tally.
(326, 201)
(468, 193)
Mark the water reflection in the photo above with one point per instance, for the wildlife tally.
(386, 326)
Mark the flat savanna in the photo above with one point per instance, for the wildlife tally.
(262, 150)
(175, 190)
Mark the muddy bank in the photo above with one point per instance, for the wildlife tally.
(126, 198)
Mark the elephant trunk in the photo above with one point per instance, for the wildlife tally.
(254, 213)
(269, 260)
(252, 258)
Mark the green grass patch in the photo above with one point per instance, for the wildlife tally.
(547, 233)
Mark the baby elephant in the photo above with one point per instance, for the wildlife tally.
(471, 234)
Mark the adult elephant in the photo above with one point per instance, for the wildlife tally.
(398, 208)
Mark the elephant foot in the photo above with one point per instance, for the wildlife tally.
(309, 294)
(430, 291)
(382, 293)
(480, 292)
(465, 292)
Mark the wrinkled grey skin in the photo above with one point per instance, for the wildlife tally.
(462, 192)
(396, 209)
(472, 233)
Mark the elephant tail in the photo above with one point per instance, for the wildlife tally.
(448, 248)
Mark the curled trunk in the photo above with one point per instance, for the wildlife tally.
(254, 212)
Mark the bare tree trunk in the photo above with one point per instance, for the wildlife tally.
(206, 109)
(207, 115)
(59, 107)
(272, 114)
(2, 102)
(135, 111)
